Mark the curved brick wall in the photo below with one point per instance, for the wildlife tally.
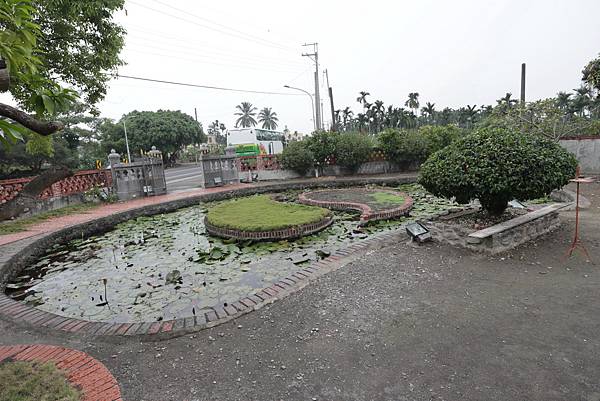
(272, 235)
(367, 214)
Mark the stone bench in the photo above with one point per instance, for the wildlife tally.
(514, 232)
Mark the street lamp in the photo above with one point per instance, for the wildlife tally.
(312, 104)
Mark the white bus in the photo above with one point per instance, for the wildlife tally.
(269, 142)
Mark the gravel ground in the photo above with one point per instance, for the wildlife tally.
(404, 323)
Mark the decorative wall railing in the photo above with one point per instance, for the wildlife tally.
(264, 162)
(79, 182)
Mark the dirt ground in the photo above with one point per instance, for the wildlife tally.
(406, 323)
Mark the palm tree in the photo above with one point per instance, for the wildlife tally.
(246, 115)
(346, 118)
(413, 102)
(268, 118)
(362, 99)
(563, 100)
(582, 100)
(361, 121)
(429, 109)
(471, 112)
(507, 101)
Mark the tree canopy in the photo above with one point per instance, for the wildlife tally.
(80, 46)
(168, 130)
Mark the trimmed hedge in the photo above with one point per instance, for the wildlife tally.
(496, 165)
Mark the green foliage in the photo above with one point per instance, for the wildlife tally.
(246, 113)
(352, 149)
(22, 224)
(33, 381)
(404, 147)
(546, 118)
(322, 144)
(496, 165)
(50, 41)
(80, 46)
(261, 213)
(168, 130)
(439, 136)
(591, 74)
(298, 157)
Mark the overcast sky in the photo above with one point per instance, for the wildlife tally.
(452, 53)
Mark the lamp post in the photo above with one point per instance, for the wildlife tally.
(126, 143)
(312, 104)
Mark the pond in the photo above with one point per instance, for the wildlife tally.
(166, 267)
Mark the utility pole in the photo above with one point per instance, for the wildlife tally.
(523, 83)
(315, 54)
(333, 122)
(196, 114)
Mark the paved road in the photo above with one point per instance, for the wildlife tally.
(182, 178)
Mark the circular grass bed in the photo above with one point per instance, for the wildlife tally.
(261, 217)
(33, 381)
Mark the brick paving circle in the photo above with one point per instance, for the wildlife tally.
(367, 212)
(84, 372)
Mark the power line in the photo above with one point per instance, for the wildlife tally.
(202, 61)
(203, 86)
(239, 36)
(188, 51)
(186, 12)
(170, 40)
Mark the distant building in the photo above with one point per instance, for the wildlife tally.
(269, 142)
(293, 136)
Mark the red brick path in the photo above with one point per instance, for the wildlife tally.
(57, 223)
(90, 376)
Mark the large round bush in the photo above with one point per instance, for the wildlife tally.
(352, 149)
(298, 157)
(497, 165)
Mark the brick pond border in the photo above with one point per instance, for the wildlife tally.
(90, 376)
(29, 251)
(367, 214)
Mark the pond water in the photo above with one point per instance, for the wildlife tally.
(165, 266)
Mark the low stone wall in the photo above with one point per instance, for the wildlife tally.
(272, 235)
(500, 237)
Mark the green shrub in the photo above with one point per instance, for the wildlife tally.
(298, 157)
(322, 145)
(440, 136)
(403, 147)
(352, 149)
(496, 165)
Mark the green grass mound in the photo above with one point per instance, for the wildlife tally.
(388, 198)
(31, 381)
(261, 213)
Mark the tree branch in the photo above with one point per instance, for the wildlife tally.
(43, 128)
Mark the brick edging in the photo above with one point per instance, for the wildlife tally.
(84, 372)
(272, 235)
(367, 214)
